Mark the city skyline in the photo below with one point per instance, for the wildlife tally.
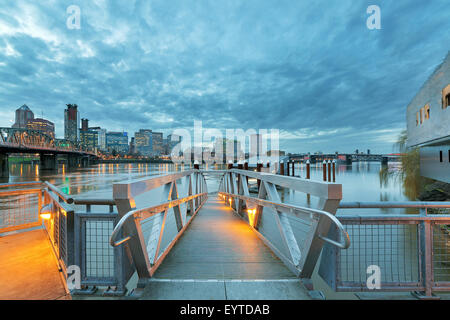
(327, 84)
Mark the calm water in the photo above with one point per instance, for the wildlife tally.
(360, 181)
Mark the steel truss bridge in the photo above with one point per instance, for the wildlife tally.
(14, 140)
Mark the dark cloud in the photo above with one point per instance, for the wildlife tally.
(312, 70)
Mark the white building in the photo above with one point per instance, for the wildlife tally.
(428, 124)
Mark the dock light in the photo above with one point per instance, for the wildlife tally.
(46, 211)
(251, 216)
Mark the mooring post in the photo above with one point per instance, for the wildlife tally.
(230, 165)
(324, 165)
(329, 170)
(334, 170)
(293, 168)
(308, 169)
(196, 165)
(246, 168)
(282, 168)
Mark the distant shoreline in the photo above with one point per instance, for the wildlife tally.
(134, 161)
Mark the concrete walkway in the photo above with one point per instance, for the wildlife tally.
(28, 268)
(220, 257)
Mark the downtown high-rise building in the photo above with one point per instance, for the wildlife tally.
(23, 115)
(157, 143)
(143, 142)
(43, 125)
(72, 123)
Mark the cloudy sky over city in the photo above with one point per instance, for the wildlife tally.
(311, 69)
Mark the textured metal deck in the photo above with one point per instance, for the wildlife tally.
(220, 257)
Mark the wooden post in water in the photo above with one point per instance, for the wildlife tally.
(282, 168)
(329, 170)
(324, 166)
(308, 169)
(293, 168)
(230, 165)
(196, 165)
(334, 170)
(246, 168)
(258, 169)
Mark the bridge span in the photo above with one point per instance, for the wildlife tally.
(13, 140)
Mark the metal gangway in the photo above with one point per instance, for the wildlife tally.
(167, 237)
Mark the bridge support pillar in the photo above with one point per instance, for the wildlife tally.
(73, 161)
(48, 162)
(4, 166)
(85, 162)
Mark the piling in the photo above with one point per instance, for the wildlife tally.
(196, 165)
(329, 170)
(324, 165)
(258, 169)
(293, 168)
(282, 168)
(334, 170)
(308, 170)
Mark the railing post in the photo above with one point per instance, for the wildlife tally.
(426, 257)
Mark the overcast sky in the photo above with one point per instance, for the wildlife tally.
(311, 69)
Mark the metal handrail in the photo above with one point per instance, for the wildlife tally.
(20, 184)
(266, 203)
(394, 204)
(112, 239)
(169, 204)
(60, 194)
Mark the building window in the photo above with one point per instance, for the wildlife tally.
(427, 112)
(446, 97)
(440, 157)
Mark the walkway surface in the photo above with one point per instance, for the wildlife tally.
(220, 257)
(28, 268)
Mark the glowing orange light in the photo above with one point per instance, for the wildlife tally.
(251, 216)
(46, 216)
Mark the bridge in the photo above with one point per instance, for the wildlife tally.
(168, 237)
(345, 158)
(14, 140)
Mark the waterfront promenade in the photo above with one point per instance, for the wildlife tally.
(29, 269)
